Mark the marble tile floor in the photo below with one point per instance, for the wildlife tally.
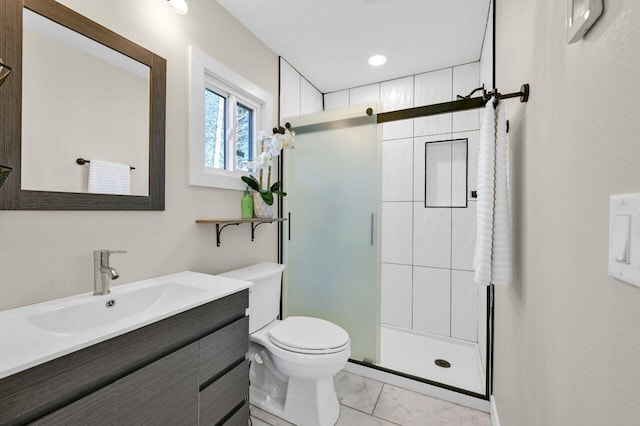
(367, 402)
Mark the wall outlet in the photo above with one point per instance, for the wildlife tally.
(624, 238)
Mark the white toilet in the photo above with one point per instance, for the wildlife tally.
(293, 361)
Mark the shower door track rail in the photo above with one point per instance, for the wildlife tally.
(463, 104)
(466, 103)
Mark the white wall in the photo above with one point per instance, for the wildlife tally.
(45, 255)
(567, 341)
(427, 279)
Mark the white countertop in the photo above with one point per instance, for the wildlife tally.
(34, 334)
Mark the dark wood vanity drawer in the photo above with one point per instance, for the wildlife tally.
(96, 409)
(224, 394)
(223, 348)
(240, 418)
(162, 393)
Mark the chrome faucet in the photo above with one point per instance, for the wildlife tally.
(102, 272)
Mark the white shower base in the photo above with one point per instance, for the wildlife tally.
(414, 353)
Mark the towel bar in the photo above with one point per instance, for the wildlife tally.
(82, 162)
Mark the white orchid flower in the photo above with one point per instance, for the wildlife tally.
(277, 144)
(259, 162)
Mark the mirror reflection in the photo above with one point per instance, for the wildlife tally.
(81, 99)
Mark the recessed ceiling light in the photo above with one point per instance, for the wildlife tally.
(377, 60)
(180, 6)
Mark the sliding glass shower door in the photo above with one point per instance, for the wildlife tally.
(332, 237)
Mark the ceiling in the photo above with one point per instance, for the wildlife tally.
(330, 41)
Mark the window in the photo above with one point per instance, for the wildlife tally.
(226, 112)
(215, 134)
(244, 136)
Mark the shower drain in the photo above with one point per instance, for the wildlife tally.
(442, 363)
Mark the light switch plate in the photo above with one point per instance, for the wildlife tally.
(624, 238)
(581, 15)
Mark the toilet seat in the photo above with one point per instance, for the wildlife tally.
(307, 335)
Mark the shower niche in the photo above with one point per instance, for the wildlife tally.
(446, 171)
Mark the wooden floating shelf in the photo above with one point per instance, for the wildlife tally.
(223, 223)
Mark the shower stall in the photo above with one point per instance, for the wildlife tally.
(379, 240)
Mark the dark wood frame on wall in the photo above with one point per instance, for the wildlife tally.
(12, 197)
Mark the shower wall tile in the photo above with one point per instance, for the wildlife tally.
(396, 295)
(420, 246)
(419, 161)
(397, 170)
(336, 100)
(438, 174)
(431, 300)
(394, 95)
(397, 94)
(459, 174)
(431, 236)
(463, 237)
(308, 95)
(473, 148)
(465, 79)
(289, 90)
(360, 95)
(396, 232)
(431, 88)
(464, 306)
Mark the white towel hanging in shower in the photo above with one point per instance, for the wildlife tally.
(492, 260)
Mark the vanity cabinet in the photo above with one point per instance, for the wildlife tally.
(188, 369)
(96, 409)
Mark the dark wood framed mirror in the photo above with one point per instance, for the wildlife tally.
(18, 193)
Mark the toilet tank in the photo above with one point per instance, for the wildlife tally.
(264, 296)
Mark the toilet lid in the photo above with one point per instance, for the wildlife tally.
(308, 335)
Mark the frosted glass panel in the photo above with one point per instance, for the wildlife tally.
(333, 188)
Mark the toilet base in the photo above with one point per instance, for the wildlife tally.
(311, 402)
(303, 402)
(308, 402)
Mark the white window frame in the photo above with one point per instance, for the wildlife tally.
(207, 73)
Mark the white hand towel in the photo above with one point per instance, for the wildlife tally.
(109, 178)
(492, 260)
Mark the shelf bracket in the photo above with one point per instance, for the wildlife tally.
(219, 230)
(255, 225)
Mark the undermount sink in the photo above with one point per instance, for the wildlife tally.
(109, 308)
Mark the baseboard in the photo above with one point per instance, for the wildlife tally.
(420, 387)
(495, 418)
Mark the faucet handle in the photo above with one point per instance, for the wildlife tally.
(104, 253)
(116, 251)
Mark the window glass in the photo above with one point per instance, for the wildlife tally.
(215, 130)
(244, 142)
